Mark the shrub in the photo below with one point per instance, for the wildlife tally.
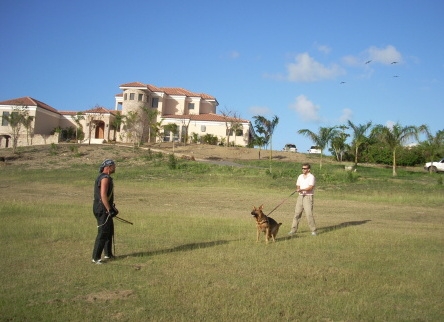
(172, 162)
(210, 139)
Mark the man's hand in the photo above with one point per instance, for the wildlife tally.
(112, 212)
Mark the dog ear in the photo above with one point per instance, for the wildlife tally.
(254, 208)
(261, 207)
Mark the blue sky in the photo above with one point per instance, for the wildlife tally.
(285, 57)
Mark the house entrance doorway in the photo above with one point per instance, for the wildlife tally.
(100, 130)
(4, 141)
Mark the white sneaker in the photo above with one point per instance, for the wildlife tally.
(291, 233)
(313, 233)
(97, 261)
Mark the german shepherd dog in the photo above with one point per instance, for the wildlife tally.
(265, 224)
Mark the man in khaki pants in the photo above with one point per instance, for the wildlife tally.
(305, 186)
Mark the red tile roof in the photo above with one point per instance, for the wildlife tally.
(206, 117)
(68, 113)
(133, 84)
(98, 110)
(29, 101)
(169, 90)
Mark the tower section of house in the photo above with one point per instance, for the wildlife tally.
(167, 102)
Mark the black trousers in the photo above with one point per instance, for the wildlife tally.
(104, 239)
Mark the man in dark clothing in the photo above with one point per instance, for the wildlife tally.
(104, 212)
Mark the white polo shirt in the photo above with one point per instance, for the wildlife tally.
(304, 182)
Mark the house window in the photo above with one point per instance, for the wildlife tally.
(131, 96)
(191, 106)
(203, 128)
(124, 97)
(155, 102)
(140, 97)
(168, 136)
(5, 119)
(239, 132)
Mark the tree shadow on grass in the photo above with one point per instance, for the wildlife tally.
(180, 248)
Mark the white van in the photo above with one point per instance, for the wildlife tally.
(290, 148)
(314, 149)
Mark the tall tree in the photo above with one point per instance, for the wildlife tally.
(321, 139)
(118, 120)
(232, 123)
(149, 118)
(394, 137)
(27, 123)
(260, 142)
(77, 118)
(338, 144)
(266, 127)
(133, 127)
(359, 137)
(236, 126)
(15, 121)
(173, 129)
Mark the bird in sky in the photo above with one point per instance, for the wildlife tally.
(395, 62)
(342, 83)
(368, 61)
(395, 76)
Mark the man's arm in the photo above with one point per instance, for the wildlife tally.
(103, 193)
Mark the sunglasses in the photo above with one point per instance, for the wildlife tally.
(305, 168)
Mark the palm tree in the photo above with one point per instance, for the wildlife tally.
(149, 119)
(15, 121)
(77, 118)
(338, 145)
(173, 129)
(27, 123)
(320, 139)
(118, 120)
(266, 127)
(260, 142)
(394, 137)
(359, 137)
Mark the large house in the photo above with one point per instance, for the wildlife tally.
(194, 115)
(48, 125)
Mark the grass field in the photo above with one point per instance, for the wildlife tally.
(191, 254)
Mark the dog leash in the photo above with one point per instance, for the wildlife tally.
(281, 203)
(123, 220)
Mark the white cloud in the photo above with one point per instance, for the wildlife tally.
(385, 55)
(390, 124)
(352, 60)
(324, 49)
(373, 55)
(346, 115)
(306, 69)
(306, 109)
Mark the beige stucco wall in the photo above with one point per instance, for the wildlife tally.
(179, 105)
(207, 107)
(44, 121)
